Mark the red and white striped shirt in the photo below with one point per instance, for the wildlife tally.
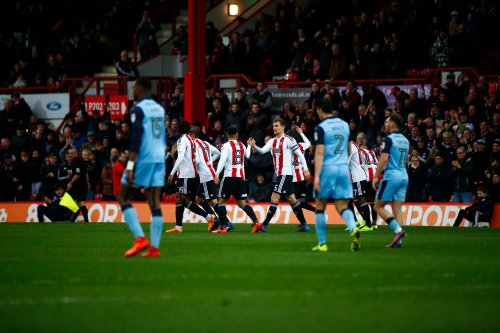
(282, 150)
(232, 159)
(207, 154)
(369, 162)
(185, 165)
(358, 174)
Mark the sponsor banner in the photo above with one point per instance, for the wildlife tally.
(46, 106)
(117, 105)
(297, 96)
(414, 214)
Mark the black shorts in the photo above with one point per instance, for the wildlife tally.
(300, 189)
(283, 185)
(78, 193)
(234, 186)
(207, 190)
(359, 188)
(370, 192)
(187, 186)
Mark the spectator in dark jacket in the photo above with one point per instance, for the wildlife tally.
(21, 108)
(125, 66)
(416, 181)
(238, 118)
(262, 190)
(439, 180)
(462, 176)
(480, 212)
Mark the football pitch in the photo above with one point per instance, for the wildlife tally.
(74, 278)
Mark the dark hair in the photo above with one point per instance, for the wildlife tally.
(144, 83)
(232, 130)
(397, 119)
(325, 105)
(184, 127)
(280, 121)
(58, 186)
(483, 189)
(196, 130)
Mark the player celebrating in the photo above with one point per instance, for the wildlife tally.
(299, 180)
(232, 160)
(392, 164)
(332, 180)
(145, 167)
(187, 176)
(282, 148)
(358, 177)
(369, 164)
(206, 195)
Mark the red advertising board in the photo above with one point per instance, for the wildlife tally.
(117, 105)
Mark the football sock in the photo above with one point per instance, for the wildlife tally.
(297, 210)
(40, 211)
(393, 224)
(196, 209)
(223, 215)
(307, 205)
(321, 226)
(85, 213)
(364, 210)
(132, 220)
(75, 215)
(349, 219)
(270, 213)
(207, 208)
(374, 214)
(250, 213)
(350, 205)
(179, 212)
(156, 227)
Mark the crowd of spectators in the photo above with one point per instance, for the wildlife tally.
(356, 39)
(454, 134)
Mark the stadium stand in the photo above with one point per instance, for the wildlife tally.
(349, 52)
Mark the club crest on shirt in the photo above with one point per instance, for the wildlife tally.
(276, 151)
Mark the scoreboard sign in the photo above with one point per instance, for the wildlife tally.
(117, 105)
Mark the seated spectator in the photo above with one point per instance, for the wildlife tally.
(480, 212)
(53, 209)
(125, 66)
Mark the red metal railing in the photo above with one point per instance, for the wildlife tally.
(213, 80)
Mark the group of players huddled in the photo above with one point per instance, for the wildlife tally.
(345, 172)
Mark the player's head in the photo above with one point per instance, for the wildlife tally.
(394, 122)
(279, 126)
(482, 191)
(232, 132)
(324, 109)
(361, 139)
(195, 131)
(59, 189)
(184, 127)
(141, 88)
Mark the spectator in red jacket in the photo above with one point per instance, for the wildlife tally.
(118, 169)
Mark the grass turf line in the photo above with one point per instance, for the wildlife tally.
(73, 278)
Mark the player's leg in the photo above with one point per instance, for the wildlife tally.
(297, 210)
(349, 219)
(250, 213)
(153, 194)
(300, 193)
(275, 198)
(84, 210)
(132, 221)
(396, 223)
(364, 210)
(225, 191)
(320, 225)
(42, 210)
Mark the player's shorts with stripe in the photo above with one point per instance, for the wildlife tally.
(207, 190)
(334, 183)
(187, 186)
(300, 188)
(234, 186)
(392, 189)
(147, 175)
(283, 185)
(359, 188)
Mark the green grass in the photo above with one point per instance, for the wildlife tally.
(73, 278)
